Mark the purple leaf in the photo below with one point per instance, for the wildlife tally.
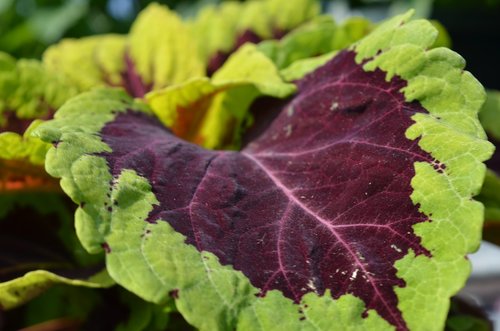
(320, 200)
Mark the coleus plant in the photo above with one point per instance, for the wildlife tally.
(352, 209)
(32, 91)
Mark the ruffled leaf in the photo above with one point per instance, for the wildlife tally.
(317, 37)
(89, 62)
(212, 112)
(224, 28)
(159, 51)
(28, 94)
(350, 211)
(23, 289)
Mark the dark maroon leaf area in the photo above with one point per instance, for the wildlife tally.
(131, 80)
(218, 59)
(320, 200)
(494, 162)
(27, 245)
(19, 125)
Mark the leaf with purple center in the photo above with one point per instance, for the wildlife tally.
(213, 112)
(158, 52)
(28, 95)
(351, 210)
(222, 29)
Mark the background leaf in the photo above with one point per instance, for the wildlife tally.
(39, 249)
(159, 51)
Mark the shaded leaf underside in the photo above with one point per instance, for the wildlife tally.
(321, 200)
(38, 251)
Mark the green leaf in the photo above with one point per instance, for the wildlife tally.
(300, 68)
(212, 112)
(159, 51)
(314, 38)
(143, 315)
(219, 27)
(21, 163)
(490, 114)
(467, 323)
(23, 147)
(490, 193)
(151, 259)
(490, 197)
(467, 316)
(40, 249)
(61, 301)
(28, 94)
(29, 91)
(22, 289)
(313, 44)
(443, 39)
(88, 62)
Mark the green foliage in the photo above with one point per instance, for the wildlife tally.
(222, 101)
(52, 113)
(153, 260)
(159, 45)
(220, 26)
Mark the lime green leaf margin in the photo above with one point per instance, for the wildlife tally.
(452, 134)
(151, 260)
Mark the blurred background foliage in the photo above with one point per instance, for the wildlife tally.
(27, 27)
